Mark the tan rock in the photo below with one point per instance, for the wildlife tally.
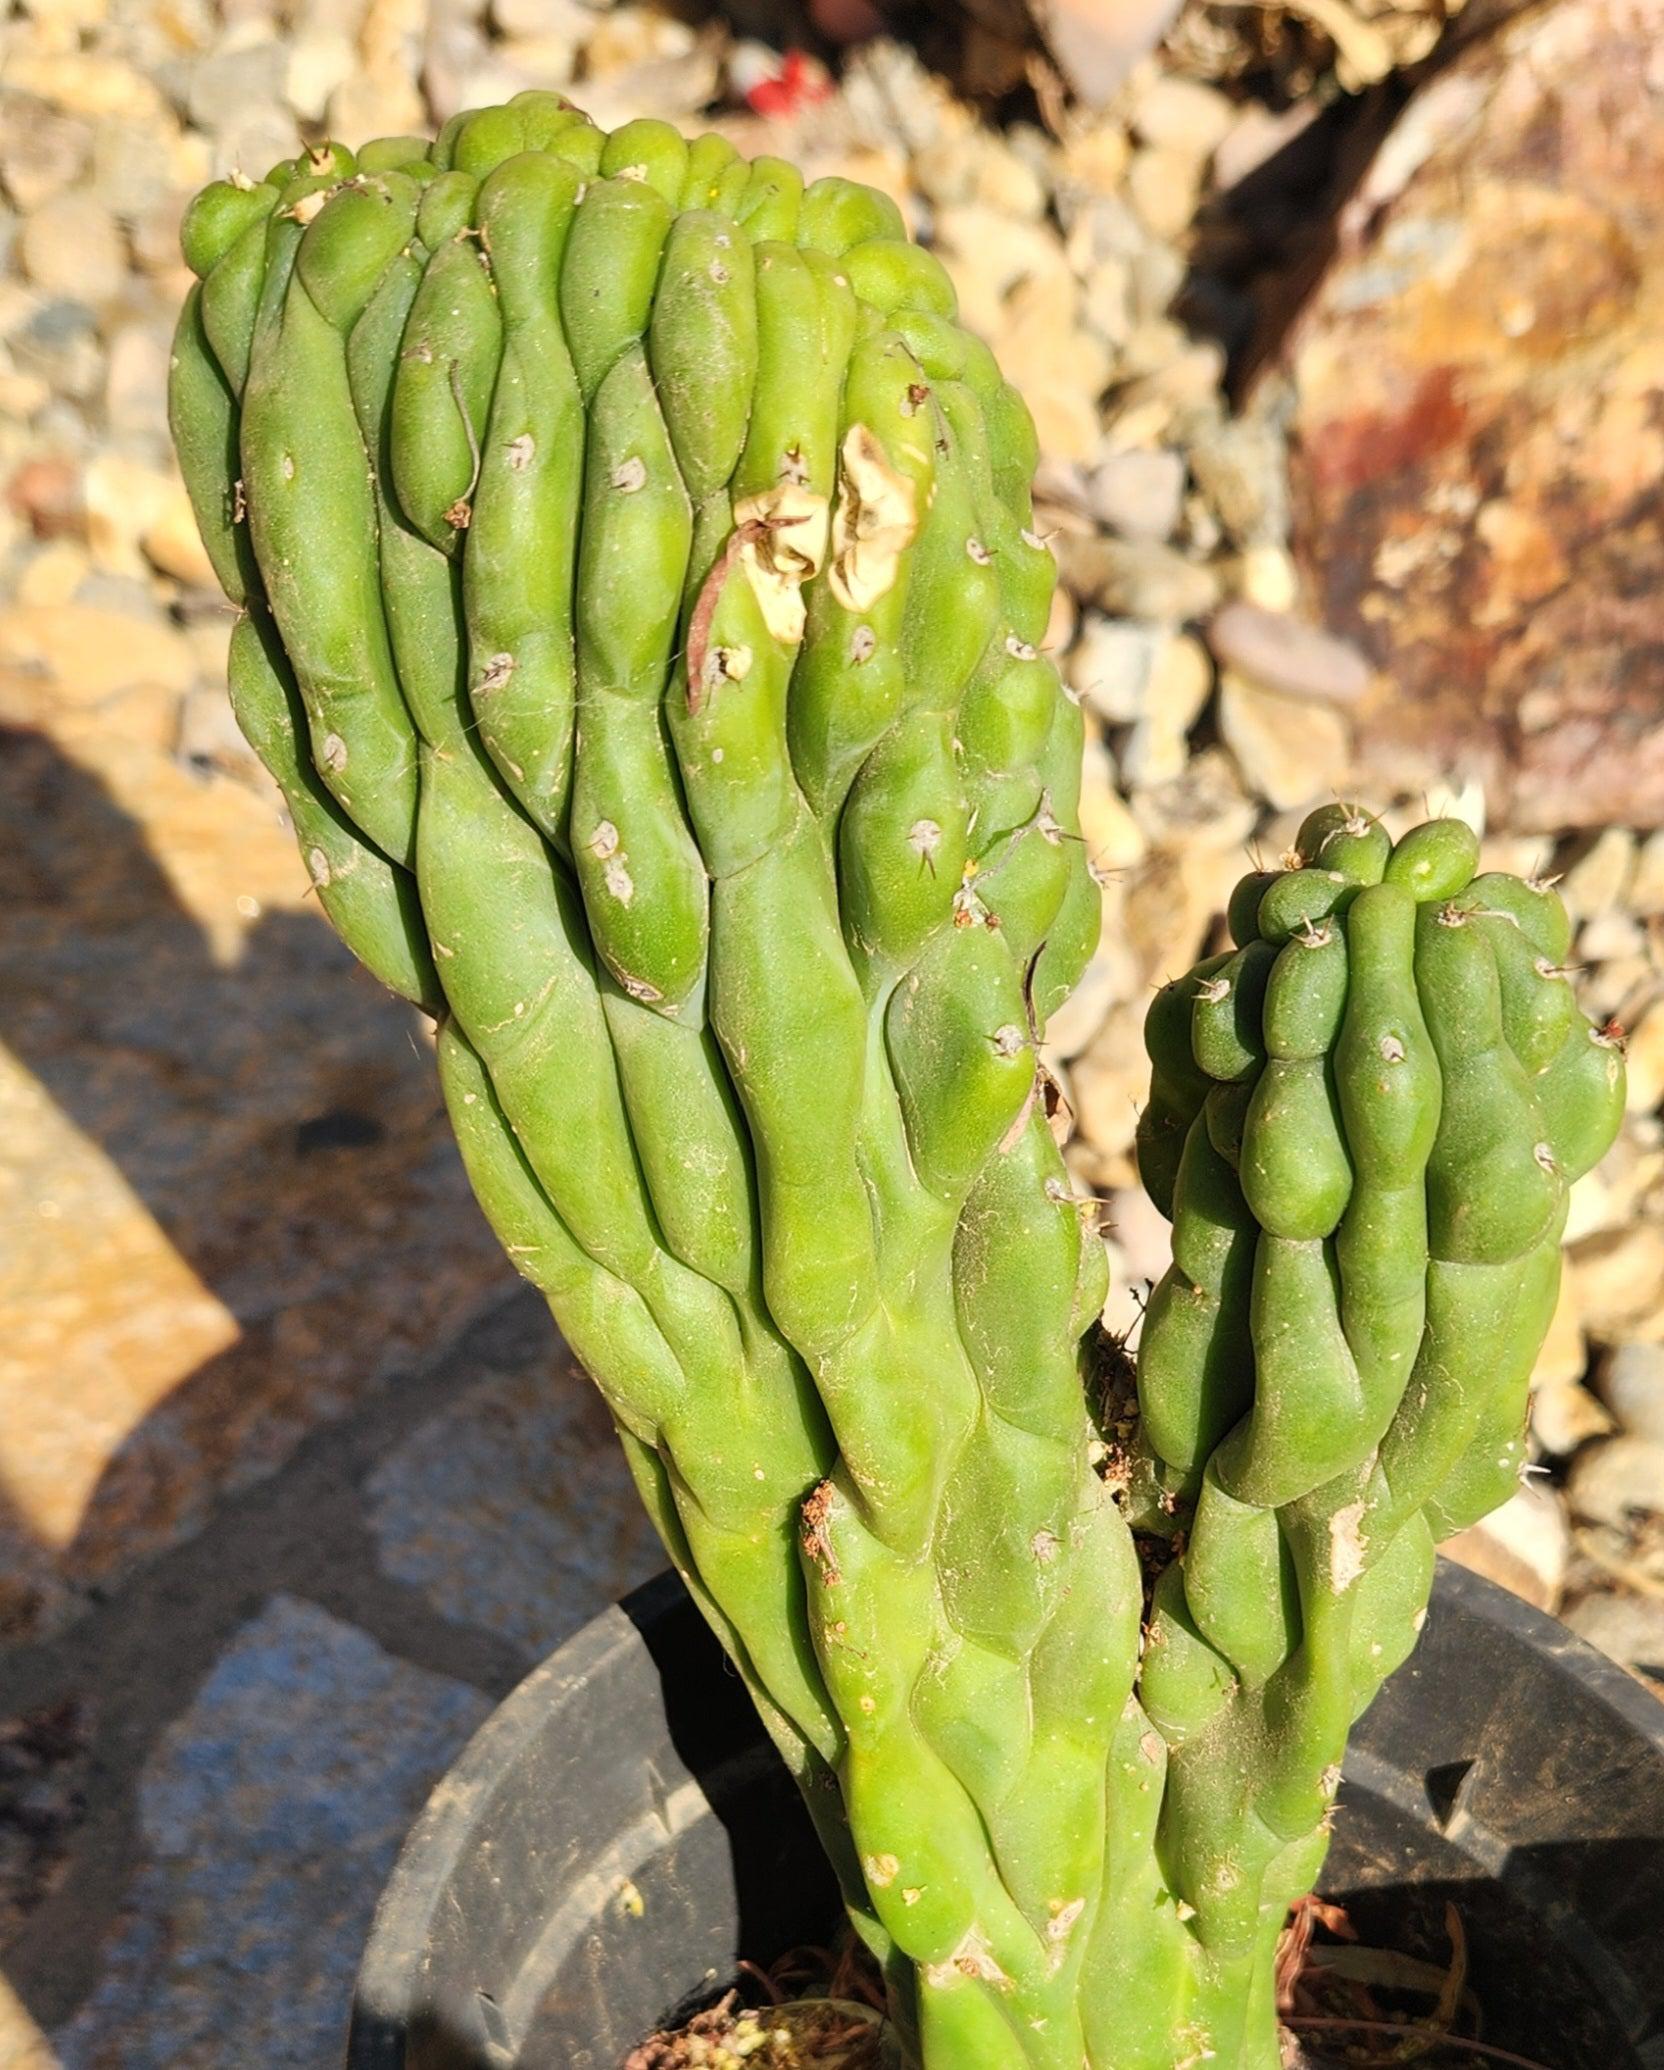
(979, 167)
(1137, 578)
(1095, 47)
(1122, 1314)
(1109, 1082)
(123, 499)
(1283, 653)
(320, 59)
(41, 152)
(1267, 576)
(1114, 839)
(1141, 1232)
(1595, 882)
(72, 246)
(1110, 666)
(54, 574)
(1097, 157)
(987, 252)
(1646, 890)
(1645, 1061)
(1564, 1357)
(1111, 977)
(1617, 1190)
(1291, 752)
(1205, 809)
(626, 37)
(88, 652)
(1163, 184)
(1615, 1482)
(136, 383)
(22, 2044)
(1181, 682)
(1525, 1547)
(1565, 1416)
(1611, 937)
(1181, 115)
(86, 83)
(1173, 902)
(172, 542)
(1060, 368)
(1620, 1282)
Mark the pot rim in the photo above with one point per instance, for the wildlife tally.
(395, 1953)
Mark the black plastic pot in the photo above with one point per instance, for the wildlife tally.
(620, 1831)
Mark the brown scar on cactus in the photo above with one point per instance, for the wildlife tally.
(699, 650)
(816, 1517)
(461, 513)
(784, 540)
(873, 524)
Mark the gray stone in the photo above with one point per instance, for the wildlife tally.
(514, 1509)
(59, 342)
(1242, 469)
(1283, 653)
(1628, 1629)
(1157, 276)
(270, 1814)
(1612, 1483)
(226, 83)
(1632, 1387)
(1137, 578)
(42, 150)
(1138, 494)
(1110, 666)
(73, 246)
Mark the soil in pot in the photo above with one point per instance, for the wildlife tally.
(1347, 2006)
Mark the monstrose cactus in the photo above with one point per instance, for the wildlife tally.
(641, 616)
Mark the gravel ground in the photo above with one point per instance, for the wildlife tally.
(1111, 263)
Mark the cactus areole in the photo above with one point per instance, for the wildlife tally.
(642, 615)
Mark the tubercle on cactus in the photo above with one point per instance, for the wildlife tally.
(642, 614)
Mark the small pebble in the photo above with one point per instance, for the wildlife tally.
(1646, 889)
(1162, 184)
(1645, 1061)
(1610, 936)
(1139, 579)
(1620, 1279)
(1139, 495)
(72, 246)
(1283, 653)
(1267, 576)
(1632, 1387)
(233, 78)
(1617, 1480)
(1241, 467)
(1182, 115)
(1111, 664)
(1628, 1629)
(1525, 1546)
(1181, 681)
(42, 151)
(1291, 752)
(1594, 881)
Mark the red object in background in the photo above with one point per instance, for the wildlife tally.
(799, 83)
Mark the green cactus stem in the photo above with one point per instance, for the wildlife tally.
(1332, 1376)
(642, 616)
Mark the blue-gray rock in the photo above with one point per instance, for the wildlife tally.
(513, 1508)
(270, 1815)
